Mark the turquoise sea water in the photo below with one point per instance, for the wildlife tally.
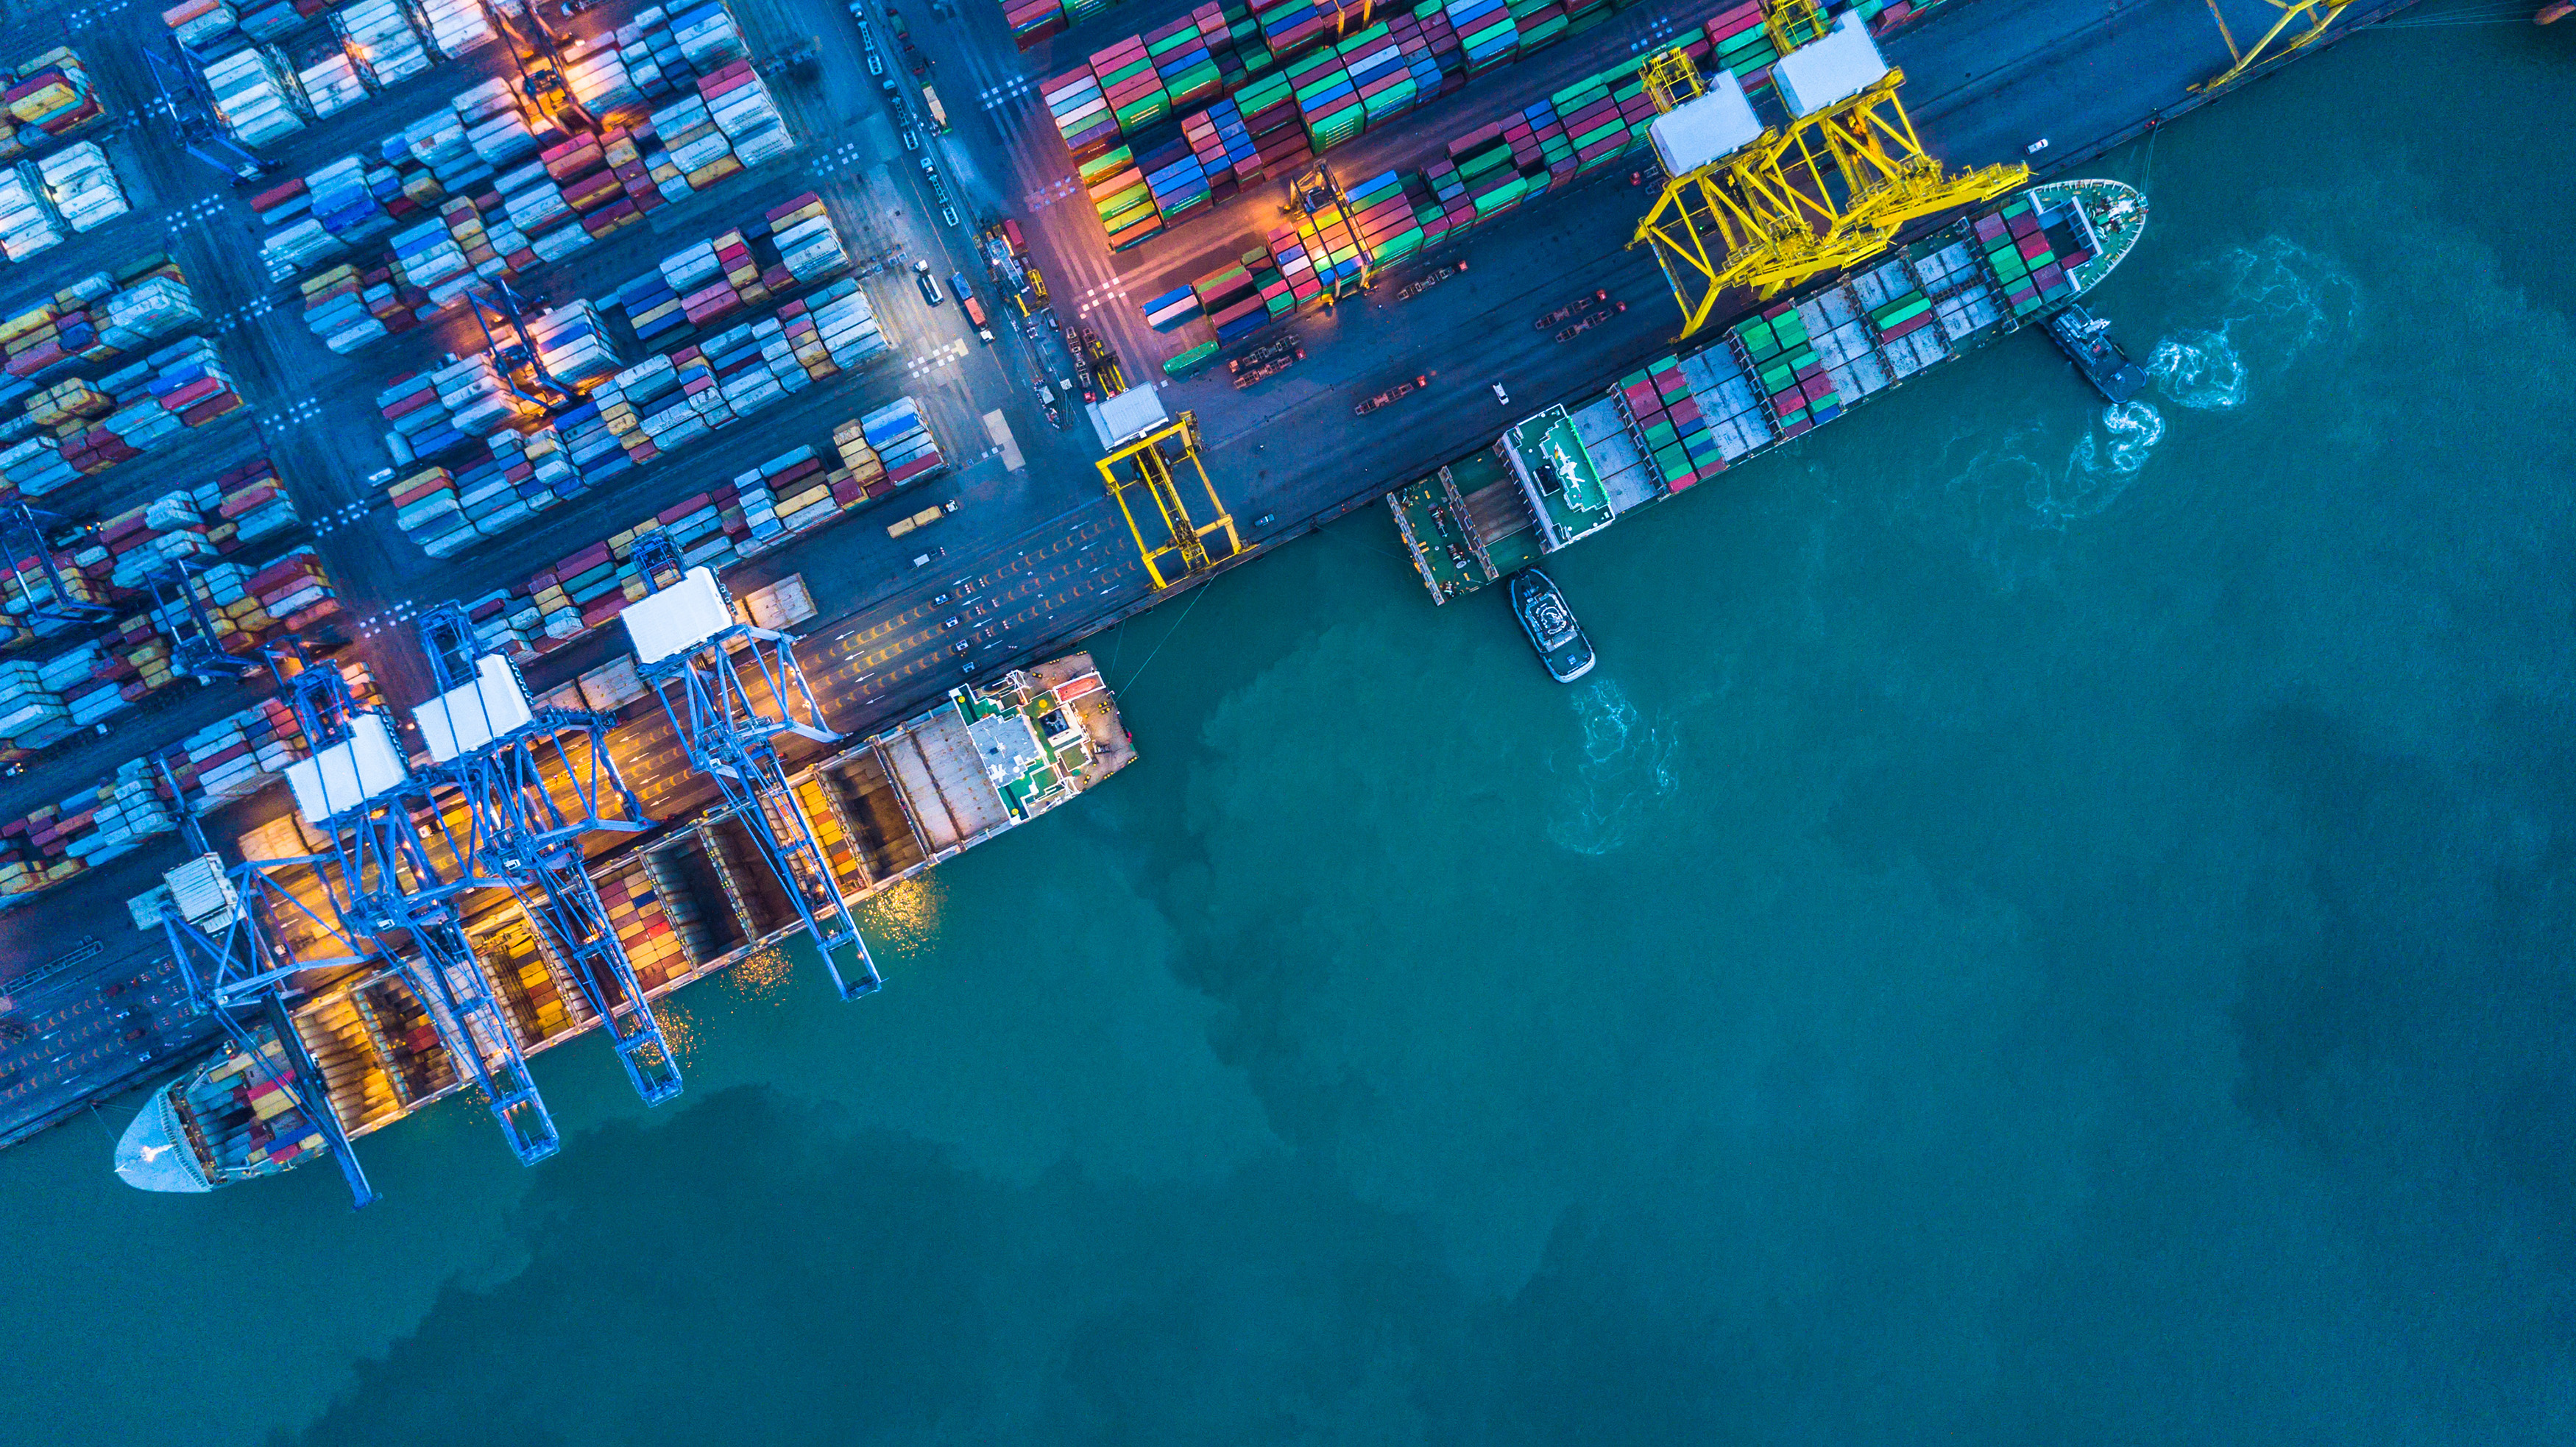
(2046, 926)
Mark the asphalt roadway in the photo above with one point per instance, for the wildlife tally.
(1035, 556)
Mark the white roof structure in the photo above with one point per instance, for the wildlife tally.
(361, 767)
(1006, 743)
(678, 619)
(470, 715)
(1834, 68)
(1697, 132)
(1129, 415)
(202, 894)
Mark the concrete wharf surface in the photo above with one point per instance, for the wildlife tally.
(1036, 556)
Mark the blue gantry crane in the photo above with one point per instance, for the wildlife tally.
(398, 866)
(224, 925)
(44, 595)
(537, 779)
(179, 596)
(190, 110)
(730, 690)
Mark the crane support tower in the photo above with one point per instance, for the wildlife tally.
(731, 690)
(1765, 208)
(1671, 79)
(1793, 23)
(1153, 463)
(537, 780)
(2320, 16)
(393, 878)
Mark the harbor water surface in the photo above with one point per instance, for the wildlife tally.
(2046, 926)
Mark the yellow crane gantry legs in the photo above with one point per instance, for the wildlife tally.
(1144, 463)
(2320, 15)
(1792, 23)
(1826, 192)
(1671, 79)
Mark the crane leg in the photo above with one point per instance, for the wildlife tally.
(578, 927)
(450, 987)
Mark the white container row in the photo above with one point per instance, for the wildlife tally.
(258, 97)
(381, 40)
(72, 190)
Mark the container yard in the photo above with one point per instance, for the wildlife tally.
(406, 337)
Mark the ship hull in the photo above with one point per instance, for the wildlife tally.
(1773, 375)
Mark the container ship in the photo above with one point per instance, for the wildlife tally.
(1776, 374)
(692, 900)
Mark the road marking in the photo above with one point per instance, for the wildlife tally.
(841, 159)
(998, 428)
(953, 352)
(995, 97)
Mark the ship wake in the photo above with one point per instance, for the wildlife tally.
(2280, 299)
(1624, 769)
(2101, 464)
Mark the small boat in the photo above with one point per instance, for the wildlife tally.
(2086, 341)
(1550, 626)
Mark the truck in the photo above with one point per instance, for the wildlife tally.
(974, 308)
(938, 112)
(921, 519)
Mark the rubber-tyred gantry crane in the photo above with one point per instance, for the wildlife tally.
(536, 780)
(731, 690)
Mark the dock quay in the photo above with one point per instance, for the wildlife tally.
(295, 478)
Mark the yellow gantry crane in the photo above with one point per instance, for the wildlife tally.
(2320, 15)
(1793, 23)
(1827, 191)
(1151, 463)
(1671, 79)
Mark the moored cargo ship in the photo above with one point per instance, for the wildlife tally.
(1774, 375)
(693, 900)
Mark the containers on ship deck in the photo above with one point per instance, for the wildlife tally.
(697, 907)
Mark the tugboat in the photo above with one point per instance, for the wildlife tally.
(2086, 340)
(1550, 626)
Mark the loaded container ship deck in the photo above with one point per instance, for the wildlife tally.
(692, 901)
(1766, 380)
